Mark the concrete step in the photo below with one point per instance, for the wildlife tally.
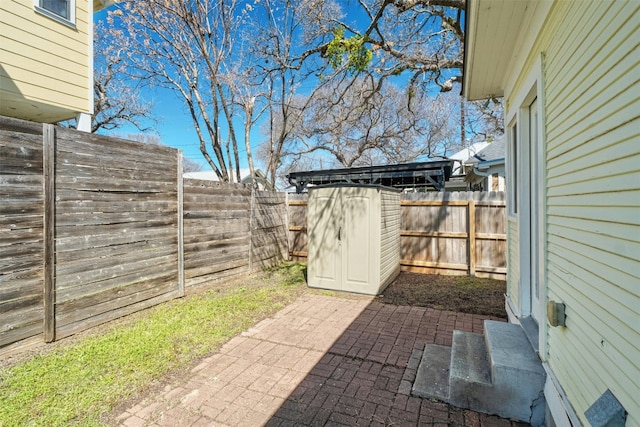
(432, 378)
(497, 372)
(470, 371)
(516, 371)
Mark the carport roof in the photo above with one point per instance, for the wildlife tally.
(405, 175)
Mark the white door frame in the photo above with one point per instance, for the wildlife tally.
(531, 164)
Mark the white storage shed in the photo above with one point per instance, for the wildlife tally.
(354, 237)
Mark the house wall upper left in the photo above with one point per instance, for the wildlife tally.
(46, 64)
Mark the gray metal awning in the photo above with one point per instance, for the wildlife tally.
(406, 175)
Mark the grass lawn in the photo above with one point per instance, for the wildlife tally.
(76, 383)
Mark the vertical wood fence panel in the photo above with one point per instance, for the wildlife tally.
(49, 219)
(297, 215)
(116, 228)
(216, 231)
(93, 228)
(21, 232)
(463, 233)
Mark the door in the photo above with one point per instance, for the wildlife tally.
(535, 212)
(325, 240)
(357, 240)
(341, 244)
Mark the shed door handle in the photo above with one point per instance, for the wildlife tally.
(339, 233)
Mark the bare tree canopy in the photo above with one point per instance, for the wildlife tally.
(357, 125)
(422, 39)
(355, 80)
(117, 99)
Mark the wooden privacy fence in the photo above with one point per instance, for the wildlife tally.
(93, 228)
(441, 232)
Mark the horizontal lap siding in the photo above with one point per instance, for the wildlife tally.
(390, 235)
(21, 234)
(216, 231)
(592, 94)
(116, 229)
(44, 60)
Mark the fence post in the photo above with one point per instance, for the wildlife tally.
(180, 214)
(48, 168)
(472, 238)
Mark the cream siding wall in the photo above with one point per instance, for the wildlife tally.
(592, 131)
(44, 61)
(390, 235)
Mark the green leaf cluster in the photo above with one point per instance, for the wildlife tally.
(352, 49)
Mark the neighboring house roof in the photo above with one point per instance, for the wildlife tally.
(261, 180)
(204, 175)
(263, 184)
(463, 155)
(489, 161)
(492, 152)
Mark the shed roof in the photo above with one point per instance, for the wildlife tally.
(405, 175)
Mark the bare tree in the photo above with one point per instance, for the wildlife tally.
(285, 41)
(185, 46)
(423, 38)
(360, 125)
(232, 61)
(116, 100)
(380, 104)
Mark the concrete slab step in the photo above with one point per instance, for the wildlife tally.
(470, 371)
(510, 350)
(432, 377)
(516, 371)
(497, 372)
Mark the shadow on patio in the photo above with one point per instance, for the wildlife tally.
(325, 360)
(365, 377)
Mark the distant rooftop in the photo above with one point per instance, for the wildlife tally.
(493, 151)
(405, 175)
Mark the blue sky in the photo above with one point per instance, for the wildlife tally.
(175, 126)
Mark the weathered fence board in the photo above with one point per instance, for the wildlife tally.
(129, 232)
(116, 261)
(21, 231)
(297, 216)
(441, 232)
(216, 231)
(269, 229)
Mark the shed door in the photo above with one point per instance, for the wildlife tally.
(356, 240)
(324, 243)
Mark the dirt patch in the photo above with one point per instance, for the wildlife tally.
(454, 293)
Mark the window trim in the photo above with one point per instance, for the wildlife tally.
(71, 22)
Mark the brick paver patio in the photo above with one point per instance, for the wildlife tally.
(322, 361)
